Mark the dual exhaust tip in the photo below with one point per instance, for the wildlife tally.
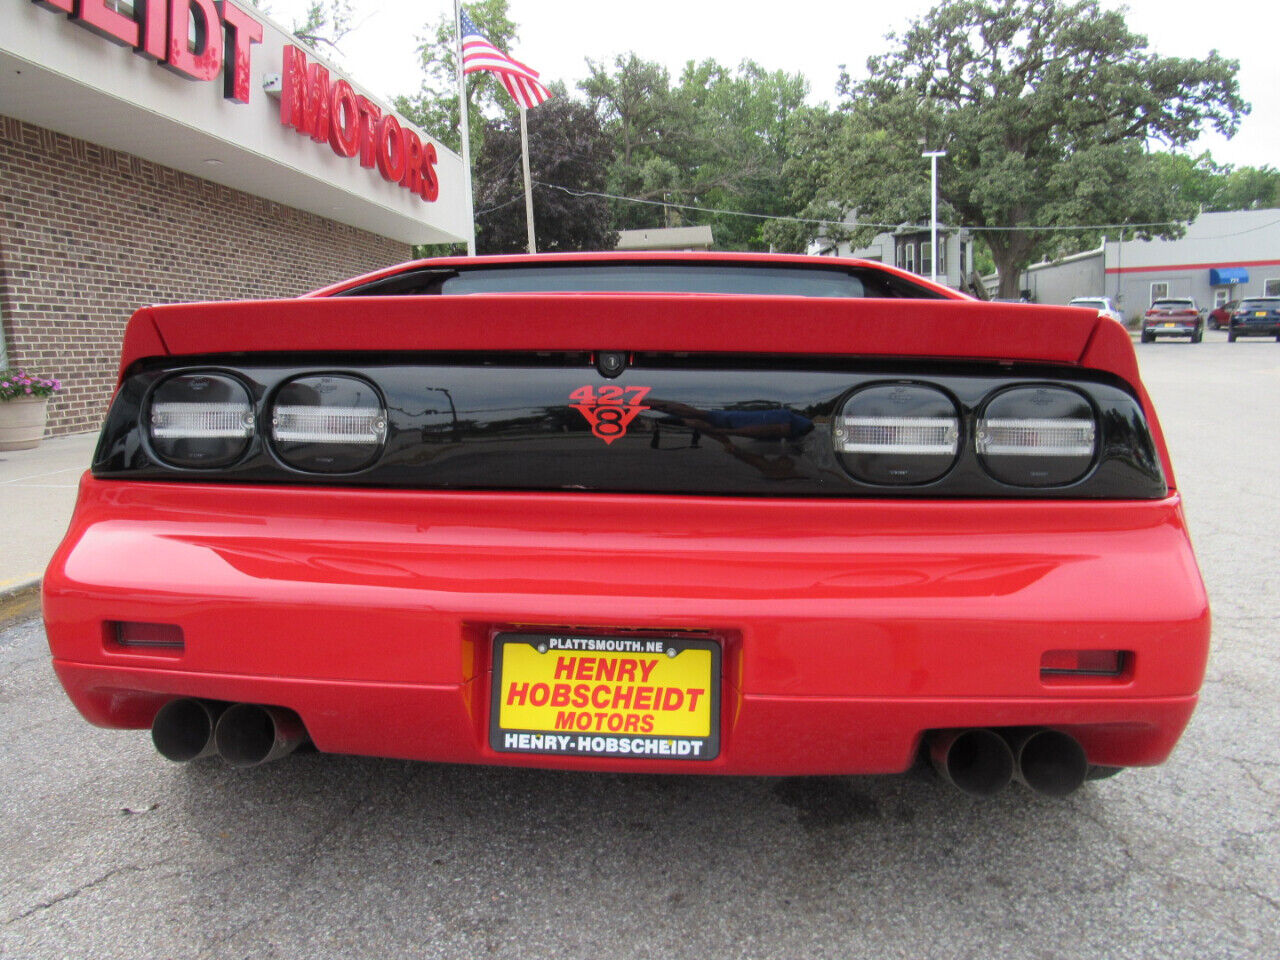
(983, 762)
(243, 734)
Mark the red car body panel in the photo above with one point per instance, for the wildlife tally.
(888, 618)
(371, 612)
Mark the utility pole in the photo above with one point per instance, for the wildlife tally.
(933, 156)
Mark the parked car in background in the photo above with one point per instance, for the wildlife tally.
(1104, 305)
(1255, 317)
(1220, 317)
(1173, 317)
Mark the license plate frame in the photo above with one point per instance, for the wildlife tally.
(529, 729)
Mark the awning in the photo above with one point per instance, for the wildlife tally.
(1222, 276)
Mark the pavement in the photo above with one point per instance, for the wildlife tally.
(37, 494)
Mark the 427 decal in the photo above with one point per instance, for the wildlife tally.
(609, 409)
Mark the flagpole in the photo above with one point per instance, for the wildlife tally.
(528, 183)
(466, 131)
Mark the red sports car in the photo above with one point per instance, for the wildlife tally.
(654, 513)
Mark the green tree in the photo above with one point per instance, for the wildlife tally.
(1214, 187)
(1251, 188)
(743, 121)
(566, 147)
(1197, 180)
(717, 139)
(1045, 109)
(648, 128)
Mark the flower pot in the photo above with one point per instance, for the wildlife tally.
(22, 422)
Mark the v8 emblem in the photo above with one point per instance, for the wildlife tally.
(610, 409)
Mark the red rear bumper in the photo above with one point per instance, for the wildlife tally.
(848, 628)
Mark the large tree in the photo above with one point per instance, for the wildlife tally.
(717, 139)
(566, 150)
(1046, 109)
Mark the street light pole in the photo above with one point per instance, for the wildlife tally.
(933, 156)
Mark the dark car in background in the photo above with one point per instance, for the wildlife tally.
(1255, 317)
(1173, 317)
(1220, 317)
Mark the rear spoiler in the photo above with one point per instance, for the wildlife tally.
(969, 330)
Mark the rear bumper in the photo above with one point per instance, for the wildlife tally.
(1259, 328)
(847, 629)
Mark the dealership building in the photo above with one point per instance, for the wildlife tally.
(1220, 257)
(164, 152)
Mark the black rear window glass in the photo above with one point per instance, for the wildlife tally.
(743, 279)
(1270, 303)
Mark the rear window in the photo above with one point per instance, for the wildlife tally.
(711, 278)
(1175, 304)
(1262, 303)
(1091, 304)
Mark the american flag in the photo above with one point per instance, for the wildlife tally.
(479, 54)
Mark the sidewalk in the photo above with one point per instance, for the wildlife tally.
(37, 493)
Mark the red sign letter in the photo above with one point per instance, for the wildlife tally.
(412, 179)
(304, 99)
(390, 148)
(242, 32)
(205, 61)
(344, 120)
(153, 19)
(370, 113)
(430, 182)
(112, 24)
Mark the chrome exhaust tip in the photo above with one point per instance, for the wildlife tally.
(248, 735)
(976, 761)
(1050, 762)
(183, 729)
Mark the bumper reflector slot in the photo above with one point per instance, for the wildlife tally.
(1064, 664)
(165, 636)
(916, 435)
(1036, 438)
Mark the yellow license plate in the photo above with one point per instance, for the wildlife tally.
(596, 696)
(1170, 324)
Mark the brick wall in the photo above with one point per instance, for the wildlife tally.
(89, 234)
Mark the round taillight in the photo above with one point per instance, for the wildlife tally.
(328, 424)
(898, 434)
(200, 420)
(1037, 436)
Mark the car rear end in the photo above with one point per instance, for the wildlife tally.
(636, 532)
(1172, 318)
(1256, 317)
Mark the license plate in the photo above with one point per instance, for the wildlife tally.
(595, 696)
(1170, 324)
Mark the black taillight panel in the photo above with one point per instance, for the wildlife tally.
(668, 424)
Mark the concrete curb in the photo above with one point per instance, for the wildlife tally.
(19, 599)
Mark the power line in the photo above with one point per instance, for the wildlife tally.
(861, 223)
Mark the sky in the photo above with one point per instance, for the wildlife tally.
(557, 36)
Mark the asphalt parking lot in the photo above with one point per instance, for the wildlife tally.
(112, 852)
